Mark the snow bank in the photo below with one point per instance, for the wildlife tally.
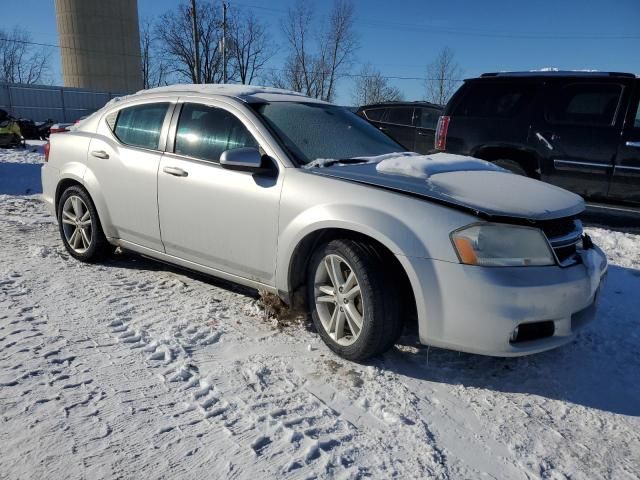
(424, 166)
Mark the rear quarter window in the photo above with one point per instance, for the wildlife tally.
(495, 100)
(376, 114)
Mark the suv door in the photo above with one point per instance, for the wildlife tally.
(399, 126)
(625, 185)
(220, 218)
(426, 120)
(123, 161)
(579, 134)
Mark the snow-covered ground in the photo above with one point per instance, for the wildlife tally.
(132, 369)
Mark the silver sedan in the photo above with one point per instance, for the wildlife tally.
(304, 199)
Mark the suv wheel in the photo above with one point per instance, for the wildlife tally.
(353, 303)
(80, 227)
(512, 166)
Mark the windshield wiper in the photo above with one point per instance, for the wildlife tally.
(341, 161)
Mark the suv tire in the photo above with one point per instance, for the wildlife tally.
(512, 166)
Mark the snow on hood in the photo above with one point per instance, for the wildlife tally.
(325, 162)
(425, 166)
(490, 191)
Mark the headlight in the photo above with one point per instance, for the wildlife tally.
(500, 245)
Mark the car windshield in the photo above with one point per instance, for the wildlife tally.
(312, 131)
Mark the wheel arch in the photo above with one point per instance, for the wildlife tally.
(527, 159)
(62, 185)
(296, 294)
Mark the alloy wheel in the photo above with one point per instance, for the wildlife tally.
(338, 300)
(76, 224)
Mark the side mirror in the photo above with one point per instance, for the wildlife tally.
(247, 159)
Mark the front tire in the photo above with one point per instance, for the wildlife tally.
(80, 227)
(353, 303)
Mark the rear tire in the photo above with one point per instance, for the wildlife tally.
(358, 325)
(80, 226)
(512, 166)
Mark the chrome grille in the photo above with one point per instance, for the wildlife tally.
(565, 237)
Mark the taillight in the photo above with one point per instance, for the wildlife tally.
(441, 133)
(47, 149)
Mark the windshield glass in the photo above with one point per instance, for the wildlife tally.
(311, 131)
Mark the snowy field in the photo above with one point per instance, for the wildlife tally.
(132, 369)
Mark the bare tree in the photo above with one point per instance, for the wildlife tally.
(154, 67)
(372, 87)
(337, 48)
(20, 60)
(443, 76)
(249, 46)
(315, 72)
(299, 74)
(175, 37)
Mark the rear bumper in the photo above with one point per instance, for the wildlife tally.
(49, 176)
(476, 309)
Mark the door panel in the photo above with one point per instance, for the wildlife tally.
(625, 185)
(220, 218)
(127, 175)
(223, 219)
(579, 134)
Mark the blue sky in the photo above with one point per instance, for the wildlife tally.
(400, 37)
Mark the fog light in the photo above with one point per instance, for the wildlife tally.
(514, 335)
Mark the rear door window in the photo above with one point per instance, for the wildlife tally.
(140, 126)
(205, 132)
(427, 117)
(584, 104)
(401, 116)
(495, 99)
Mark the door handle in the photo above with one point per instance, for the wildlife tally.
(100, 154)
(633, 144)
(382, 129)
(175, 171)
(425, 134)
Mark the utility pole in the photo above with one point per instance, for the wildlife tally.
(224, 42)
(194, 22)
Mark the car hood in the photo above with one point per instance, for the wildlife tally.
(466, 183)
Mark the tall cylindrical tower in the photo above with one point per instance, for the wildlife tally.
(100, 44)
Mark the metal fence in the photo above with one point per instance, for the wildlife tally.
(41, 102)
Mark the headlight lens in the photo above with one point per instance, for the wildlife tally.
(499, 245)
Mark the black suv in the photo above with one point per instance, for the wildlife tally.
(411, 124)
(577, 130)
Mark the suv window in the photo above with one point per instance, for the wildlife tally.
(585, 104)
(636, 123)
(205, 132)
(401, 115)
(427, 117)
(376, 114)
(140, 126)
(495, 99)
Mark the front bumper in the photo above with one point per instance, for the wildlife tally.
(476, 309)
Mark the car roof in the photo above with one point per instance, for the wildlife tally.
(556, 74)
(245, 93)
(417, 103)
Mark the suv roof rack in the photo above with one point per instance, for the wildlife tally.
(558, 73)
